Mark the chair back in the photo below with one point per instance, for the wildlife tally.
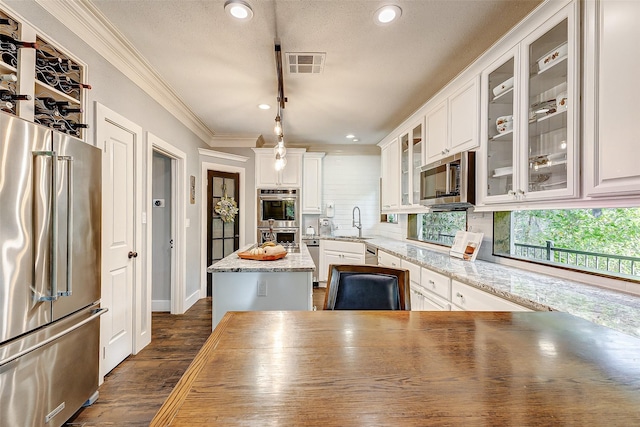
(367, 287)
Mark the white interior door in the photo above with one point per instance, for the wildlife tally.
(119, 249)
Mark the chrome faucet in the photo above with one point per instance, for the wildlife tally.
(353, 221)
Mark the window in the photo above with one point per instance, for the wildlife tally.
(436, 227)
(599, 241)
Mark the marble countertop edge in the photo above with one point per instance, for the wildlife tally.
(537, 291)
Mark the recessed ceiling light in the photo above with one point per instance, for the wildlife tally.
(264, 106)
(239, 9)
(350, 136)
(355, 140)
(387, 14)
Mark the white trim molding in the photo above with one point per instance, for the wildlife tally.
(178, 289)
(91, 25)
(222, 156)
(206, 166)
(141, 316)
(237, 141)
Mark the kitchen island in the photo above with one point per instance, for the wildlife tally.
(248, 285)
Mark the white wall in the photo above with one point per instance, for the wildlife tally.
(115, 91)
(161, 234)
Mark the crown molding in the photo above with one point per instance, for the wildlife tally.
(236, 140)
(343, 149)
(220, 155)
(87, 22)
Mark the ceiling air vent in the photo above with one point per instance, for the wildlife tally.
(305, 62)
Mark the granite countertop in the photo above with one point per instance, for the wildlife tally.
(616, 310)
(294, 261)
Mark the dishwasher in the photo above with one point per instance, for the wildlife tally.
(371, 255)
(313, 244)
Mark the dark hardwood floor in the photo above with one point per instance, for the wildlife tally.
(134, 391)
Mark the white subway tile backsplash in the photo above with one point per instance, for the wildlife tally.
(348, 181)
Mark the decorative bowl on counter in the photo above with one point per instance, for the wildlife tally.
(553, 56)
(262, 257)
(268, 251)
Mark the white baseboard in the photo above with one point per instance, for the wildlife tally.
(191, 299)
(161, 305)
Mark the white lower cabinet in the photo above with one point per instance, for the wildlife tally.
(388, 260)
(431, 302)
(436, 283)
(423, 299)
(338, 252)
(469, 298)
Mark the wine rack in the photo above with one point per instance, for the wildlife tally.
(59, 90)
(9, 29)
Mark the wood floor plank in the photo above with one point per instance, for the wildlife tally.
(136, 389)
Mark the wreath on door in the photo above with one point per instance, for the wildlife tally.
(227, 207)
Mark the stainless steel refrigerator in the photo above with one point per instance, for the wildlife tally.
(50, 213)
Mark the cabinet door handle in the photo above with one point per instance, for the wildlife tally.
(459, 295)
(433, 284)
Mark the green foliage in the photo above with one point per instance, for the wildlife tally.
(440, 227)
(608, 231)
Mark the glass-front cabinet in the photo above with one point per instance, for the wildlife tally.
(501, 127)
(411, 144)
(417, 144)
(531, 116)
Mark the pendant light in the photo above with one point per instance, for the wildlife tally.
(280, 151)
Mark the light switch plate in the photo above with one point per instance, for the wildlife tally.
(262, 288)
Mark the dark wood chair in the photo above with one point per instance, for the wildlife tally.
(367, 287)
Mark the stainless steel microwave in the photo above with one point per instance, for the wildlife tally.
(450, 183)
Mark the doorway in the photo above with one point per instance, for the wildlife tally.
(162, 212)
(223, 237)
(171, 238)
(123, 328)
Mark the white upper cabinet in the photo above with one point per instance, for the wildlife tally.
(437, 136)
(411, 143)
(464, 116)
(530, 116)
(312, 183)
(452, 124)
(268, 177)
(495, 168)
(390, 165)
(611, 98)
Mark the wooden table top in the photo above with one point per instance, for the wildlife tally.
(374, 368)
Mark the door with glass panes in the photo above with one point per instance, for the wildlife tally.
(222, 233)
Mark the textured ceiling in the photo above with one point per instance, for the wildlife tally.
(374, 76)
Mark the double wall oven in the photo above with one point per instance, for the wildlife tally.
(279, 213)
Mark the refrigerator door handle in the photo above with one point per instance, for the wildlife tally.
(53, 268)
(11, 357)
(69, 160)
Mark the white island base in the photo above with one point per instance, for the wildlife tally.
(247, 285)
(261, 291)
